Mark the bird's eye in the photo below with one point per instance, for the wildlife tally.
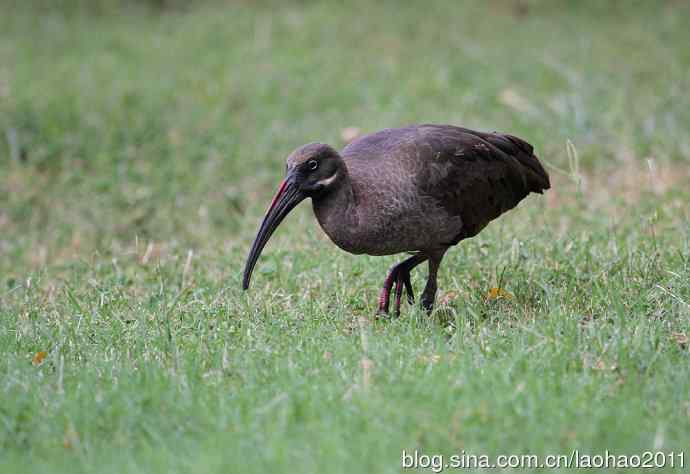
(312, 164)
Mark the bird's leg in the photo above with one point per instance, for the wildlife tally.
(384, 296)
(401, 281)
(400, 276)
(429, 294)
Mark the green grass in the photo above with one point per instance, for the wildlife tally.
(140, 146)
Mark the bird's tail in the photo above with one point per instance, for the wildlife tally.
(537, 179)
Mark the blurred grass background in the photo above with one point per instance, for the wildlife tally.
(140, 118)
(141, 142)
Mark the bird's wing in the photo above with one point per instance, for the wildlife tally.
(476, 176)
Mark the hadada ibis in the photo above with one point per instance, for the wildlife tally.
(419, 189)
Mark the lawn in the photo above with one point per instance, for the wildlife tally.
(140, 144)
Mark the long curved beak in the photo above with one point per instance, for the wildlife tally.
(287, 197)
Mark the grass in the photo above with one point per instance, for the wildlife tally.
(142, 144)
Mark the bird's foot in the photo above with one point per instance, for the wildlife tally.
(398, 279)
(428, 298)
(428, 305)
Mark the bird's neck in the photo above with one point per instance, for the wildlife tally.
(336, 212)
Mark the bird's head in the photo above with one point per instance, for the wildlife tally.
(312, 170)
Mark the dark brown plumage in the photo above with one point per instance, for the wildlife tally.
(419, 189)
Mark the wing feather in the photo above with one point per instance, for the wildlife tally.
(477, 176)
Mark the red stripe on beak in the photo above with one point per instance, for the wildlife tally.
(280, 191)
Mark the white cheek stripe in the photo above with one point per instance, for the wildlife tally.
(327, 181)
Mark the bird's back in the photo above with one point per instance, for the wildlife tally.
(440, 182)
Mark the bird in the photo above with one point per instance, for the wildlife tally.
(418, 190)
